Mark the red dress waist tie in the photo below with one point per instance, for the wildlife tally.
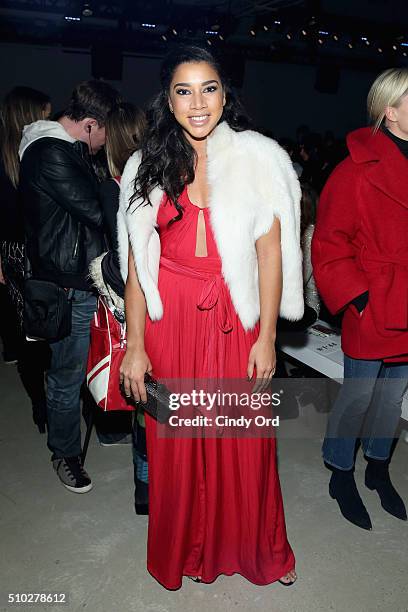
(395, 271)
(214, 293)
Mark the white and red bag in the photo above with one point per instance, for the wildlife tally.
(106, 351)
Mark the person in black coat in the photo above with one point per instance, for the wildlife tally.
(64, 231)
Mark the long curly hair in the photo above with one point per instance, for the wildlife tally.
(168, 159)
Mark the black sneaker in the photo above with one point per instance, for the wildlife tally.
(72, 475)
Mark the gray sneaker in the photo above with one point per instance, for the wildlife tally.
(72, 475)
(105, 441)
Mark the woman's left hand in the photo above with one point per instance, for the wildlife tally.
(263, 358)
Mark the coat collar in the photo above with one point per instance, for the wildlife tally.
(387, 167)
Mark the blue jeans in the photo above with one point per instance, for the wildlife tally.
(140, 464)
(65, 377)
(368, 407)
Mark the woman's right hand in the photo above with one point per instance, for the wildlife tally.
(134, 366)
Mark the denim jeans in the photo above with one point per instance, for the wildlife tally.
(65, 377)
(140, 464)
(368, 407)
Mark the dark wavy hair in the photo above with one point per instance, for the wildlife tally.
(168, 159)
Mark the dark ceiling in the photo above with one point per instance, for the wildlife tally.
(356, 33)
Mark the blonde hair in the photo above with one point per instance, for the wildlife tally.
(387, 90)
(124, 126)
(21, 106)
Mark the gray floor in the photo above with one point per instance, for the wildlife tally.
(92, 546)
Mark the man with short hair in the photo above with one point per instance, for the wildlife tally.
(64, 232)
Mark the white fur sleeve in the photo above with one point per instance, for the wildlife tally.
(282, 195)
(136, 226)
(126, 192)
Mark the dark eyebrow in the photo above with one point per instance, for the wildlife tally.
(189, 84)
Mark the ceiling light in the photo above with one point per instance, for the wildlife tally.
(87, 10)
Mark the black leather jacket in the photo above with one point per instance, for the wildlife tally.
(62, 215)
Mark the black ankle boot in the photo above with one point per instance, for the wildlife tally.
(377, 477)
(343, 489)
(141, 508)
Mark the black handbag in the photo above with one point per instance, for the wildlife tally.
(158, 400)
(47, 312)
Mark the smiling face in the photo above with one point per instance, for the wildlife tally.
(197, 98)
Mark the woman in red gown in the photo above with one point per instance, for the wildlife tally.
(202, 297)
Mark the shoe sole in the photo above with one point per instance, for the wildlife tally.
(77, 490)
(106, 444)
(287, 584)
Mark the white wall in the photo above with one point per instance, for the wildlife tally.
(279, 97)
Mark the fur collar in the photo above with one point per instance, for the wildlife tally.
(251, 181)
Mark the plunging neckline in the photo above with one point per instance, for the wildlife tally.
(192, 203)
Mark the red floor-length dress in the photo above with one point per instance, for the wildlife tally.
(215, 504)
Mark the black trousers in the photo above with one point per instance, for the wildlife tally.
(33, 362)
(9, 325)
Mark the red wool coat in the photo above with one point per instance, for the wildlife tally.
(361, 243)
